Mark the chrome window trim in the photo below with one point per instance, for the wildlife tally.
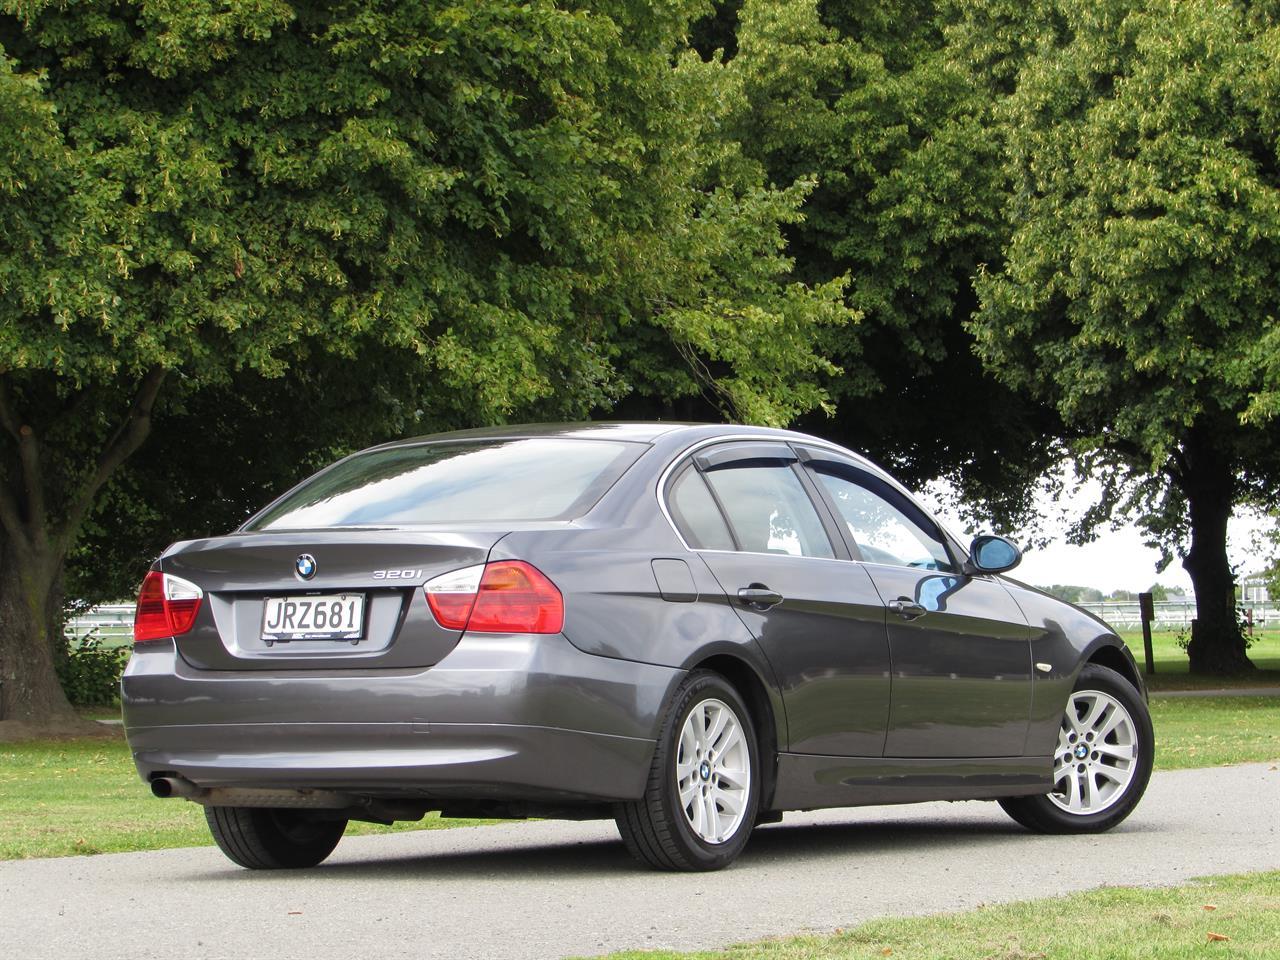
(688, 452)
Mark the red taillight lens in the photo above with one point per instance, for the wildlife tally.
(516, 597)
(452, 595)
(508, 596)
(167, 607)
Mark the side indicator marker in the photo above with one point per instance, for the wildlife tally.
(1044, 667)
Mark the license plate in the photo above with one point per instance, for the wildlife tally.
(338, 616)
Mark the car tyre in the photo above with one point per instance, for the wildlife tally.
(1102, 761)
(273, 839)
(701, 798)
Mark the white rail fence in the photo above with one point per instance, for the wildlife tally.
(111, 623)
(1177, 614)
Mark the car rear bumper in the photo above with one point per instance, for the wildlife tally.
(509, 717)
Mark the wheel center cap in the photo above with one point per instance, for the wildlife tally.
(1081, 751)
(704, 770)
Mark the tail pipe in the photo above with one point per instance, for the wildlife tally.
(175, 787)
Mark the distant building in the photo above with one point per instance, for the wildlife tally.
(1253, 589)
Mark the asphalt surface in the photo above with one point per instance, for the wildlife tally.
(544, 890)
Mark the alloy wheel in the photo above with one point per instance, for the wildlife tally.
(713, 771)
(1096, 756)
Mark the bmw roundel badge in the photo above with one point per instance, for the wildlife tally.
(305, 566)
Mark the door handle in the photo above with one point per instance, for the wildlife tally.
(907, 609)
(759, 597)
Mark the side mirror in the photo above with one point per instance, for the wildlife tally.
(992, 554)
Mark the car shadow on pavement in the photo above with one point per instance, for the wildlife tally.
(777, 844)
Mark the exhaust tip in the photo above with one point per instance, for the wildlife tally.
(176, 786)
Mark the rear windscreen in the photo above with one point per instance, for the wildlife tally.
(541, 478)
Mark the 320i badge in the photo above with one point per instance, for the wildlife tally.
(686, 628)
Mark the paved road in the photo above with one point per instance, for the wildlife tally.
(542, 890)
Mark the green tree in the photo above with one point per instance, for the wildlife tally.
(863, 99)
(443, 213)
(1271, 572)
(1073, 594)
(1138, 284)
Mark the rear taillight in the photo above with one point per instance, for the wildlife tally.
(167, 607)
(507, 596)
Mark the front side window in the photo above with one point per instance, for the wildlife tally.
(539, 478)
(769, 510)
(884, 532)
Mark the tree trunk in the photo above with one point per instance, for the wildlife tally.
(41, 512)
(30, 635)
(1217, 643)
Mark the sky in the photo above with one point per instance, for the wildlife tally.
(1117, 560)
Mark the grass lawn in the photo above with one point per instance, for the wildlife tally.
(1171, 662)
(1114, 923)
(1209, 731)
(84, 796)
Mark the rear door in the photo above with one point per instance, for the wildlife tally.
(749, 512)
(960, 646)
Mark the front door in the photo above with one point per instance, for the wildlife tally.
(960, 646)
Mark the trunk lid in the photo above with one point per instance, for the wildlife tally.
(385, 568)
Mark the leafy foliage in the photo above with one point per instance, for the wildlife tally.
(1073, 594)
(863, 99)
(90, 673)
(1137, 283)
(321, 225)
(497, 188)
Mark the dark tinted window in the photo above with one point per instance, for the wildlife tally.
(770, 511)
(543, 478)
(696, 514)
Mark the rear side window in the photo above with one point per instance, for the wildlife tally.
(540, 478)
(770, 510)
(696, 514)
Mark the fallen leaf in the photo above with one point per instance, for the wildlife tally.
(1209, 906)
(1217, 937)
(886, 951)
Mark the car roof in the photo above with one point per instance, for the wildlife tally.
(675, 434)
(642, 431)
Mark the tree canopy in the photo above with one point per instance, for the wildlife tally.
(968, 238)
(1137, 290)
(447, 213)
(865, 100)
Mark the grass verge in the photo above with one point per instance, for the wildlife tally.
(67, 797)
(1172, 666)
(1114, 923)
(1211, 731)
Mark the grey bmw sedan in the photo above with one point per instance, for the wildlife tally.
(689, 629)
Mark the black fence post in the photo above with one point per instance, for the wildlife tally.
(1147, 606)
